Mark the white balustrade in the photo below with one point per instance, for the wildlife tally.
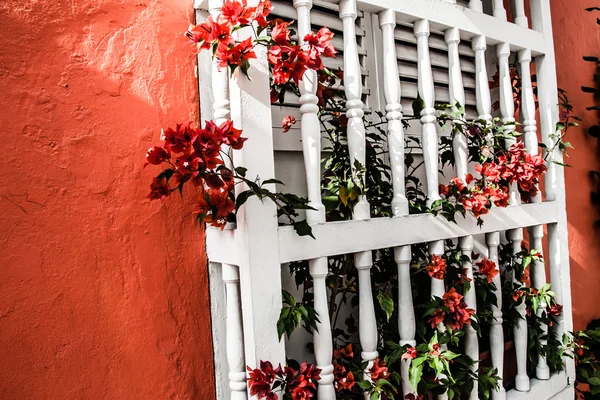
(496, 330)
(318, 268)
(367, 325)
(520, 17)
(402, 254)
(235, 334)
(465, 244)
(520, 330)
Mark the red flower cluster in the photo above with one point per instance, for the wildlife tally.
(474, 195)
(379, 370)
(195, 155)
(487, 268)
(216, 34)
(343, 379)
(299, 384)
(555, 310)
(456, 314)
(437, 267)
(516, 165)
(290, 61)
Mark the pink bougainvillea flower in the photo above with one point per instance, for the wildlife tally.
(409, 354)
(237, 12)
(379, 370)
(159, 189)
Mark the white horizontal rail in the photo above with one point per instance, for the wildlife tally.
(347, 237)
(543, 389)
(442, 15)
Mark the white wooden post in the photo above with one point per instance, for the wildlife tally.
(482, 87)
(311, 147)
(536, 233)
(558, 240)
(220, 79)
(428, 114)
(235, 335)
(499, 10)
(496, 331)
(520, 17)
(507, 108)
(402, 254)
(459, 144)
(520, 330)
(367, 325)
(257, 225)
(476, 5)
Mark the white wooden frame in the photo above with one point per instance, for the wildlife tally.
(252, 252)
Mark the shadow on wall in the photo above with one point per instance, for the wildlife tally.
(103, 295)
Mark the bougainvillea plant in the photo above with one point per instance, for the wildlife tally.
(202, 156)
(296, 382)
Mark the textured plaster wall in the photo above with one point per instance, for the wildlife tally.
(576, 34)
(103, 294)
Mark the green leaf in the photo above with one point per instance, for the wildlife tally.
(269, 181)
(302, 228)
(414, 375)
(241, 171)
(365, 385)
(242, 198)
(386, 303)
(418, 105)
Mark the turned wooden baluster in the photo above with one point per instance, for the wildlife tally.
(220, 79)
(496, 331)
(311, 147)
(402, 254)
(459, 144)
(536, 233)
(367, 325)
(499, 10)
(520, 330)
(234, 334)
(484, 109)
(507, 108)
(429, 140)
(520, 17)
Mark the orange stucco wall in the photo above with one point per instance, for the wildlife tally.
(576, 34)
(103, 295)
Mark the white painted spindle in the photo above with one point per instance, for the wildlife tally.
(520, 17)
(507, 108)
(311, 146)
(558, 239)
(428, 114)
(438, 290)
(220, 79)
(459, 144)
(402, 254)
(536, 233)
(235, 335)
(482, 87)
(476, 5)
(465, 245)
(520, 330)
(496, 331)
(499, 10)
(367, 325)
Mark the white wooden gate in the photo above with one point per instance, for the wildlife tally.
(250, 255)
